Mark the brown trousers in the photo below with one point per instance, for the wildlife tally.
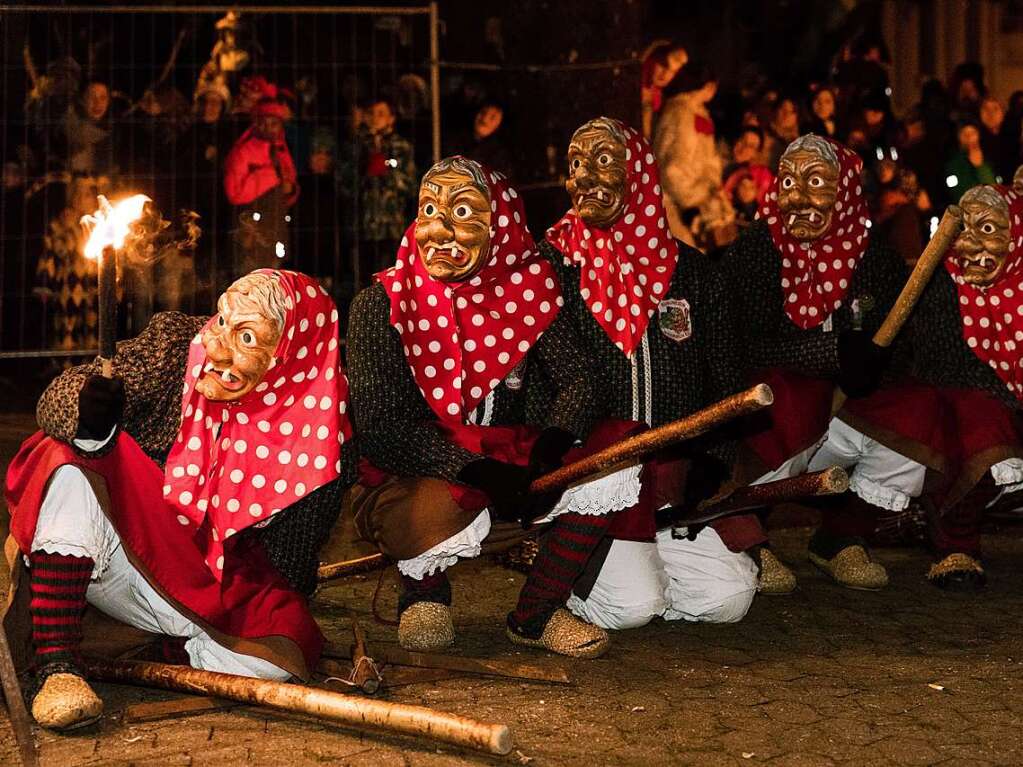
(407, 516)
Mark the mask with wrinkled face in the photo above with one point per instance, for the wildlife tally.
(240, 343)
(982, 248)
(453, 224)
(807, 188)
(596, 175)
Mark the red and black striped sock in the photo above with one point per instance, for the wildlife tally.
(58, 584)
(564, 552)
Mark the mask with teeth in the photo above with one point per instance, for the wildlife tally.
(597, 172)
(807, 188)
(241, 341)
(982, 248)
(453, 223)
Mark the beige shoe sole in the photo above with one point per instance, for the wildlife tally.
(558, 637)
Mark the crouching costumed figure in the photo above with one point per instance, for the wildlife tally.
(196, 517)
(442, 350)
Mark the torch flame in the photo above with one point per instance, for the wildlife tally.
(111, 223)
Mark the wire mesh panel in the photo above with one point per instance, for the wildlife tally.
(289, 136)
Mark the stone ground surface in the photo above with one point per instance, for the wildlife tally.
(825, 676)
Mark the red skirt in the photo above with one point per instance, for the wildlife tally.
(252, 611)
(982, 431)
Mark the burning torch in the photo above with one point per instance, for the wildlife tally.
(107, 229)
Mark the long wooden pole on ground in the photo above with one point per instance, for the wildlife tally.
(299, 699)
(20, 722)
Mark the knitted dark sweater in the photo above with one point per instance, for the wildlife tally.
(152, 367)
(941, 356)
(398, 432)
(768, 338)
(685, 375)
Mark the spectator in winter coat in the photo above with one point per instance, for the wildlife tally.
(261, 182)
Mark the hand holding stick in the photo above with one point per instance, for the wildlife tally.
(944, 236)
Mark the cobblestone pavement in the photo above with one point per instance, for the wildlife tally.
(824, 676)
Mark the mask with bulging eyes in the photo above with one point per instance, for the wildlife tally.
(982, 248)
(240, 342)
(807, 188)
(453, 223)
(597, 174)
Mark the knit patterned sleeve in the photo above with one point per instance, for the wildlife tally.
(397, 430)
(151, 365)
(766, 336)
(578, 399)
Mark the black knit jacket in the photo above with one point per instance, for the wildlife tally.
(152, 367)
(685, 375)
(768, 338)
(940, 354)
(398, 432)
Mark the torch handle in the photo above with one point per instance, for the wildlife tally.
(107, 290)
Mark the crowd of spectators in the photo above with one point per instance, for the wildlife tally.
(276, 181)
(718, 155)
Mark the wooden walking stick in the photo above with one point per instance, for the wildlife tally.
(831, 481)
(944, 236)
(616, 456)
(313, 701)
(630, 450)
(20, 722)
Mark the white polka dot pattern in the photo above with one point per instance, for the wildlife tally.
(993, 316)
(211, 475)
(813, 278)
(618, 263)
(494, 318)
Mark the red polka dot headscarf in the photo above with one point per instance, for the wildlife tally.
(626, 270)
(993, 316)
(236, 464)
(815, 276)
(461, 339)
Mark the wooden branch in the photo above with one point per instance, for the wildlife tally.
(300, 699)
(365, 564)
(20, 722)
(831, 481)
(934, 253)
(510, 669)
(630, 450)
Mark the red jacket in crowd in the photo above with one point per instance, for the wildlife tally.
(255, 165)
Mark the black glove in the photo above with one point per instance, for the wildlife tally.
(704, 478)
(100, 405)
(506, 486)
(861, 363)
(549, 450)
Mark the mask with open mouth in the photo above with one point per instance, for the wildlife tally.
(453, 223)
(986, 264)
(241, 340)
(269, 432)
(818, 220)
(982, 248)
(597, 172)
(462, 337)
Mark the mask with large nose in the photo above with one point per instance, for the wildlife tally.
(241, 341)
(597, 172)
(982, 248)
(453, 222)
(807, 187)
